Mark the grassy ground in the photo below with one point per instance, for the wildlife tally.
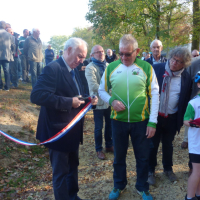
(26, 173)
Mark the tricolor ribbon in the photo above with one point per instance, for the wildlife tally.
(60, 134)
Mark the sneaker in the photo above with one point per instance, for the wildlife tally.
(151, 178)
(145, 195)
(170, 174)
(114, 194)
(5, 90)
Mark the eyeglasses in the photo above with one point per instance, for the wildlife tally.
(98, 52)
(126, 54)
(177, 61)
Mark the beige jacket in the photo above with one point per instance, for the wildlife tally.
(93, 77)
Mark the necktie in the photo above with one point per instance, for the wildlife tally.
(73, 77)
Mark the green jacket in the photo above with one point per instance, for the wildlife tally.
(132, 86)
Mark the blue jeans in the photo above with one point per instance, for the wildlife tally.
(19, 68)
(98, 120)
(65, 174)
(5, 65)
(121, 132)
(165, 132)
(36, 69)
(14, 72)
(25, 67)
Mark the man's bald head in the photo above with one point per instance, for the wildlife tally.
(109, 52)
(195, 53)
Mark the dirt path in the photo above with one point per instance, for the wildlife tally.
(26, 173)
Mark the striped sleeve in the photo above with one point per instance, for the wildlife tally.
(153, 93)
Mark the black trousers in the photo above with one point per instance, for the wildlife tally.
(165, 132)
(65, 174)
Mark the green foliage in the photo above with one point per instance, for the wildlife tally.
(57, 42)
(87, 35)
(167, 20)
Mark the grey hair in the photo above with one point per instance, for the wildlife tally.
(92, 50)
(34, 30)
(181, 52)
(127, 40)
(74, 42)
(2, 25)
(156, 40)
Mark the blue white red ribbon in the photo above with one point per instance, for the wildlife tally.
(57, 136)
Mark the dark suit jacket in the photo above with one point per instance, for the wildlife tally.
(186, 83)
(150, 60)
(54, 91)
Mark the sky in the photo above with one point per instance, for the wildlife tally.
(58, 17)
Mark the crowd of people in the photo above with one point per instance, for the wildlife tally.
(146, 99)
(22, 57)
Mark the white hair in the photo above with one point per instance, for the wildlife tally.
(74, 42)
(156, 40)
(127, 40)
(34, 30)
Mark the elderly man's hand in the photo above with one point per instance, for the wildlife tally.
(76, 102)
(150, 132)
(118, 105)
(94, 100)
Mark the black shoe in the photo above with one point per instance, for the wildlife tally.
(193, 198)
(170, 174)
(198, 197)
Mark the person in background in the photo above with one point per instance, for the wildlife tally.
(195, 53)
(174, 88)
(49, 55)
(23, 57)
(14, 64)
(110, 56)
(143, 55)
(6, 55)
(93, 73)
(33, 51)
(156, 57)
(60, 54)
(148, 55)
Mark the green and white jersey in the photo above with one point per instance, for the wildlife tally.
(132, 86)
(193, 112)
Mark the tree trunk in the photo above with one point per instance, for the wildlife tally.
(196, 25)
(158, 20)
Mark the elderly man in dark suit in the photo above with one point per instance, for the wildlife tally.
(175, 87)
(56, 91)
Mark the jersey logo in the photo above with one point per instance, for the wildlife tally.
(135, 71)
